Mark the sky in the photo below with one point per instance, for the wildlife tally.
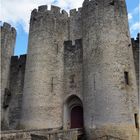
(17, 13)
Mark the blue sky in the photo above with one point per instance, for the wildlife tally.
(18, 14)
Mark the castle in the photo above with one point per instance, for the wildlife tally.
(81, 71)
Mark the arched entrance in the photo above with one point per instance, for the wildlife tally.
(73, 113)
(77, 117)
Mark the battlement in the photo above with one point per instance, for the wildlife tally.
(137, 39)
(114, 3)
(19, 61)
(8, 28)
(74, 12)
(64, 13)
(96, 2)
(55, 10)
(89, 2)
(43, 9)
(68, 46)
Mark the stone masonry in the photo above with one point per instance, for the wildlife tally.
(8, 36)
(83, 59)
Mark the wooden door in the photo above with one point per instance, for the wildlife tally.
(77, 117)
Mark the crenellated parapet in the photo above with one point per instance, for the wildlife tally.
(135, 44)
(8, 28)
(19, 61)
(56, 19)
(117, 8)
(136, 40)
(68, 46)
(8, 37)
(90, 2)
(42, 17)
(55, 10)
(106, 2)
(43, 11)
(74, 12)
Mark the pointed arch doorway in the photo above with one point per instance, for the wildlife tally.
(73, 113)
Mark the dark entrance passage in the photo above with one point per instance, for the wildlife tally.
(77, 117)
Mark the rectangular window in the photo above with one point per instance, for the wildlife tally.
(126, 77)
(136, 120)
(112, 2)
(57, 47)
(52, 84)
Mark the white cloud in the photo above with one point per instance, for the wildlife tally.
(69, 4)
(18, 12)
(130, 16)
(135, 26)
(133, 18)
(136, 10)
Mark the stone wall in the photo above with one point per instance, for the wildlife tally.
(43, 134)
(43, 90)
(75, 25)
(109, 101)
(73, 78)
(17, 73)
(44, 77)
(98, 70)
(73, 63)
(136, 51)
(8, 37)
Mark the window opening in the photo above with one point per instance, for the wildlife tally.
(136, 120)
(126, 77)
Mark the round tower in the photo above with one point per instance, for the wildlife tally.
(110, 92)
(8, 37)
(43, 89)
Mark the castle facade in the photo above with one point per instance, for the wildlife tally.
(80, 71)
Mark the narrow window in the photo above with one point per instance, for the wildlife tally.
(52, 84)
(7, 97)
(112, 2)
(136, 120)
(126, 77)
(94, 83)
(57, 48)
